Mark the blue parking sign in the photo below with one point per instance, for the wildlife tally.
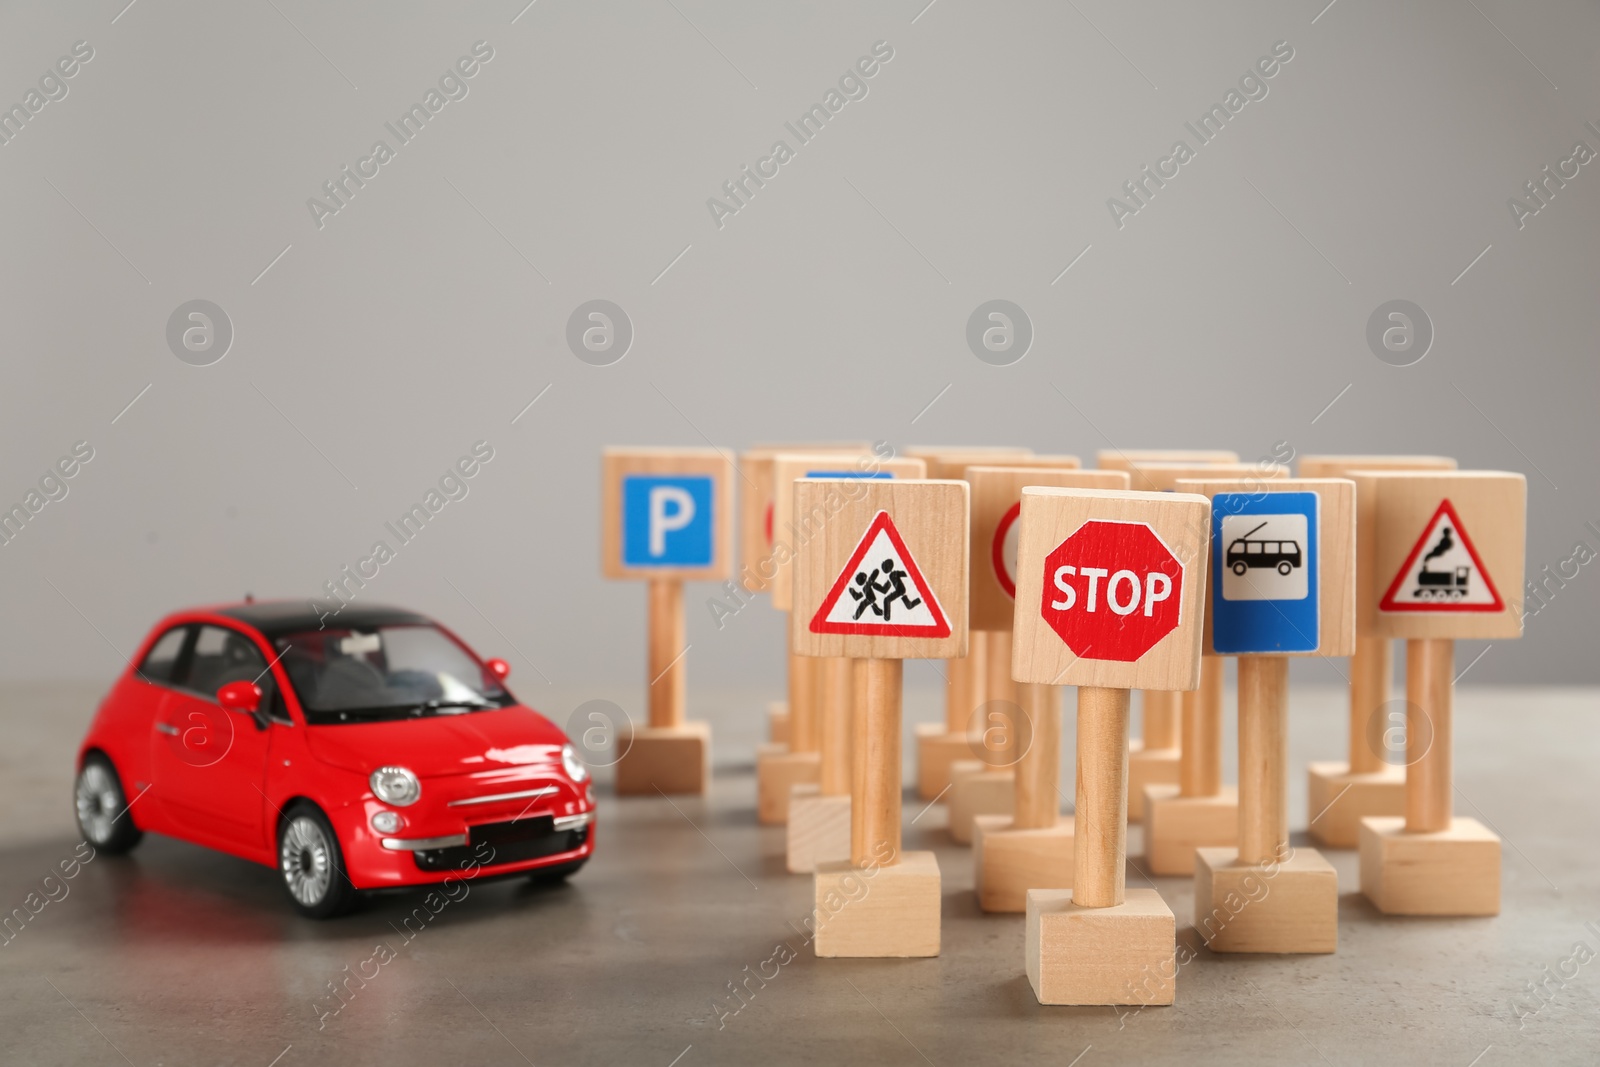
(667, 520)
(1264, 558)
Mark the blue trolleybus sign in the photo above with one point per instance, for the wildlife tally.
(1264, 599)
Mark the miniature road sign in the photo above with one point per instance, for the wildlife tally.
(1030, 847)
(1198, 808)
(900, 916)
(1341, 794)
(945, 767)
(779, 771)
(1283, 584)
(756, 502)
(1430, 862)
(667, 517)
(1185, 803)
(1099, 942)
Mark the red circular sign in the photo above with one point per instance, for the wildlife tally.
(1112, 590)
(1003, 553)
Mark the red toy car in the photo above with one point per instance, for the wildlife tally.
(374, 750)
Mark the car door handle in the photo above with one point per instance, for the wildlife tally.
(167, 728)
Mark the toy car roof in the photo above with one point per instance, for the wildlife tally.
(276, 617)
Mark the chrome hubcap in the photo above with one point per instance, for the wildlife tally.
(98, 803)
(306, 859)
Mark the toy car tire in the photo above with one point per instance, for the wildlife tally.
(312, 865)
(102, 807)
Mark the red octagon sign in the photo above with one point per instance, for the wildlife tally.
(1112, 590)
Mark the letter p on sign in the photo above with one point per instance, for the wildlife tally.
(667, 514)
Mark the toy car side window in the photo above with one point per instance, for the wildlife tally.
(161, 662)
(221, 656)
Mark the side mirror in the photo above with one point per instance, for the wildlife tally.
(243, 697)
(499, 668)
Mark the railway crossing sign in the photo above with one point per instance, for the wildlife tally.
(1448, 576)
(1265, 550)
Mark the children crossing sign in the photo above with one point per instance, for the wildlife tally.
(1443, 571)
(880, 577)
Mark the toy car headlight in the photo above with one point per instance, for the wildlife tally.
(572, 764)
(395, 785)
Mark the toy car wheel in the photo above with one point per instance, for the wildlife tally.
(312, 865)
(559, 873)
(102, 807)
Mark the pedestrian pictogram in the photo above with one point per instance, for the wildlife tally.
(1112, 590)
(1004, 552)
(1442, 572)
(881, 591)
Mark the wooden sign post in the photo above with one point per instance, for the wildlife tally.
(819, 815)
(779, 773)
(667, 519)
(940, 747)
(1282, 584)
(1342, 794)
(1187, 805)
(1110, 587)
(1032, 847)
(883, 579)
(757, 554)
(1446, 562)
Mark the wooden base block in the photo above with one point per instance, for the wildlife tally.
(1289, 907)
(936, 751)
(976, 789)
(778, 722)
(1174, 826)
(1155, 766)
(1339, 800)
(819, 829)
(672, 759)
(1125, 954)
(778, 771)
(878, 911)
(1448, 872)
(1007, 862)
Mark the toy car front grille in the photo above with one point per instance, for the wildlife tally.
(511, 842)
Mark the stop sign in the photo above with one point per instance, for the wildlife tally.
(1112, 590)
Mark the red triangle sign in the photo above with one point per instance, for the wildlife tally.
(1449, 578)
(881, 591)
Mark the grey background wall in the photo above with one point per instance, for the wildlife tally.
(373, 346)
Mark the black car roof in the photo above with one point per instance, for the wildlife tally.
(276, 617)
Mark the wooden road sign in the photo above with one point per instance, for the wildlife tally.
(1118, 459)
(1110, 586)
(1442, 560)
(1341, 794)
(1030, 848)
(1282, 584)
(667, 518)
(883, 578)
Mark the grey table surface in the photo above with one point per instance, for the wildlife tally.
(176, 955)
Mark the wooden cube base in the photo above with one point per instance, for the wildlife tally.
(879, 911)
(1289, 907)
(936, 751)
(819, 829)
(778, 722)
(778, 771)
(1448, 872)
(672, 759)
(1174, 826)
(1154, 766)
(1339, 800)
(977, 789)
(1125, 954)
(1007, 862)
